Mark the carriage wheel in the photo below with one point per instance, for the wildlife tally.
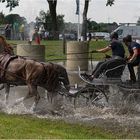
(92, 95)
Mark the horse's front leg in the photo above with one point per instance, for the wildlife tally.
(29, 95)
(37, 97)
(7, 90)
(2, 86)
(33, 92)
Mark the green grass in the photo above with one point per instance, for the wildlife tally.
(54, 49)
(28, 127)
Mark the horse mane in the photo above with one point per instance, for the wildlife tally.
(7, 48)
(52, 76)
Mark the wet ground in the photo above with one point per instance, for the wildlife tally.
(119, 115)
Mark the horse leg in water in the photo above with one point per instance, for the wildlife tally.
(7, 90)
(32, 92)
(2, 86)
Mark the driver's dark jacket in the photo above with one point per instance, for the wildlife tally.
(117, 48)
(118, 52)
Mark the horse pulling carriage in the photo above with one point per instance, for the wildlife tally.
(17, 70)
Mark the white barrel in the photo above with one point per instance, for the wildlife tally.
(77, 55)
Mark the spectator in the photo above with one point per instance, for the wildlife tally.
(46, 35)
(8, 31)
(89, 37)
(36, 37)
(21, 31)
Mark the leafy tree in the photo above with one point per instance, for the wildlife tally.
(2, 18)
(45, 19)
(110, 2)
(92, 25)
(12, 18)
(52, 8)
(84, 24)
(101, 27)
(11, 3)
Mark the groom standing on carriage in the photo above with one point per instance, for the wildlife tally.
(134, 56)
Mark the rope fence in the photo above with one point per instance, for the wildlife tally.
(64, 59)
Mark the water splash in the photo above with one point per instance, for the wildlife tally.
(119, 113)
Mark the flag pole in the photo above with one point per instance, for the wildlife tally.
(78, 20)
(79, 23)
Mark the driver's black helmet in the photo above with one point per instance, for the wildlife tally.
(114, 35)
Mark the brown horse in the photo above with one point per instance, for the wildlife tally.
(16, 70)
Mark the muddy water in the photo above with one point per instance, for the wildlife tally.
(117, 115)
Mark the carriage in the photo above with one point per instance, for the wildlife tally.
(97, 90)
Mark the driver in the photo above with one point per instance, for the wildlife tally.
(118, 52)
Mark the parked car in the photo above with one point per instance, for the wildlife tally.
(101, 35)
(68, 36)
(128, 29)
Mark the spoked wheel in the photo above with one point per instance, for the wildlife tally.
(91, 95)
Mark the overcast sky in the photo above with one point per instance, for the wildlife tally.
(124, 11)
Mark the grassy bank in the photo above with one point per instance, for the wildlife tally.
(28, 127)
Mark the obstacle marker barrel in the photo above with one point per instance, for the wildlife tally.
(36, 52)
(77, 55)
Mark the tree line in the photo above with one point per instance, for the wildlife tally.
(53, 13)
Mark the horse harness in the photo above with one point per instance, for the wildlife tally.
(5, 59)
(4, 62)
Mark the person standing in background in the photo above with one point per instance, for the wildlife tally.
(16, 30)
(36, 37)
(21, 31)
(8, 31)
